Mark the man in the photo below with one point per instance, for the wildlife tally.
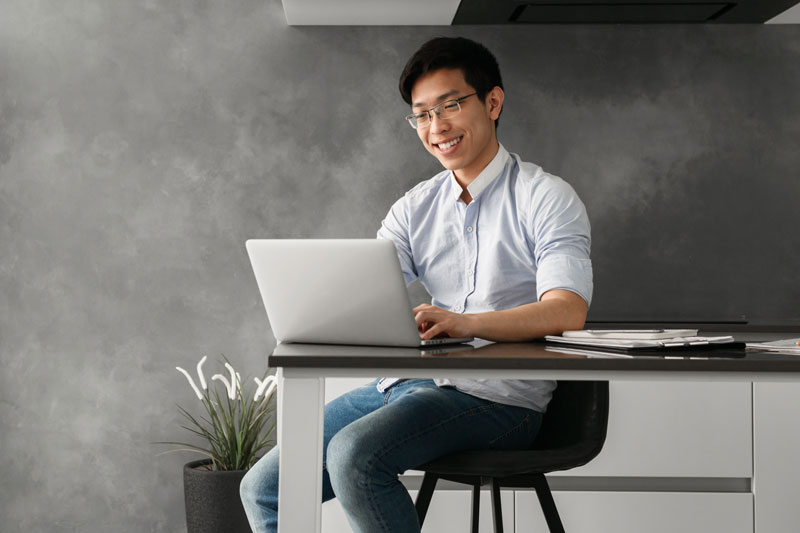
(503, 248)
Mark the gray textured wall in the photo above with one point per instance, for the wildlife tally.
(141, 143)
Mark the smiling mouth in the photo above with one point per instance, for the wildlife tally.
(449, 144)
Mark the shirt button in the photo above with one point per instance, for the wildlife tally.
(469, 272)
(457, 309)
(469, 229)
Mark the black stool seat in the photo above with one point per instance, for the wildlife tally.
(572, 434)
(508, 463)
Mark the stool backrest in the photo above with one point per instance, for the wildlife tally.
(576, 418)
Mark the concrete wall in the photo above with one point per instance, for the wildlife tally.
(142, 142)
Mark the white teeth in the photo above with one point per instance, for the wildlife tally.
(448, 145)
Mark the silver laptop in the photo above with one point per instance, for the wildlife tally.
(336, 291)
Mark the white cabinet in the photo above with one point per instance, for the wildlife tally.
(640, 512)
(697, 433)
(676, 429)
(663, 429)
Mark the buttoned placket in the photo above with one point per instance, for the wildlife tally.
(470, 237)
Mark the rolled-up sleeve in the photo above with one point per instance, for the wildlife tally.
(562, 237)
(395, 228)
(565, 272)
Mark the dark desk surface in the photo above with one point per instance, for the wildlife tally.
(529, 356)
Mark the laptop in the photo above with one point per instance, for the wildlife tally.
(336, 291)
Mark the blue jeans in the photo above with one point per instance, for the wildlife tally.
(372, 437)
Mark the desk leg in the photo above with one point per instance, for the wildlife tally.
(300, 423)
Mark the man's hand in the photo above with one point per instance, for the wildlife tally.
(434, 322)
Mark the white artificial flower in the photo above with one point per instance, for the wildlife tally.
(270, 381)
(191, 382)
(259, 387)
(232, 389)
(223, 379)
(200, 372)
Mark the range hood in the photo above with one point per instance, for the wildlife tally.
(513, 12)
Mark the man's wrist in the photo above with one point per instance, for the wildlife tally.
(475, 324)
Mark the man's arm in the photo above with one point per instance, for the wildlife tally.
(557, 310)
(395, 228)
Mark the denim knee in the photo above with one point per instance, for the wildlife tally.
(349, 461)
(259, 485)
(250, 489)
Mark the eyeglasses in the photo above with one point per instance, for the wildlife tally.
(445, 110)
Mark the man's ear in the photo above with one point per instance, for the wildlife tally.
(494, 99)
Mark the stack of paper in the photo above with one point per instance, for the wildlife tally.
(785, 346)
(630, 339)
(630, 334)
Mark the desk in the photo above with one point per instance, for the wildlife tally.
(301, 385)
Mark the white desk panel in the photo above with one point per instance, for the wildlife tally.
(676, 429)
(640, 512)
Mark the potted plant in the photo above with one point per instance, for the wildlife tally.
(235, 429)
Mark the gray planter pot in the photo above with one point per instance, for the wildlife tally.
(212, 500)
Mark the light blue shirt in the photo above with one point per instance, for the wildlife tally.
(525, 232)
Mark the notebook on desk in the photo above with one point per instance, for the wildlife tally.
(716, 346)
(336, 291)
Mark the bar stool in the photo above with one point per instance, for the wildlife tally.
(572, 434)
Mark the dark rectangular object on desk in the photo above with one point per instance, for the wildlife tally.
(728, 350)
(731, 350)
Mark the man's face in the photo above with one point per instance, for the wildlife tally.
(464, 143)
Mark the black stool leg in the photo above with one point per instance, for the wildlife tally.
(547, 503)
(497, 512)
(476, 506)
(424, 496)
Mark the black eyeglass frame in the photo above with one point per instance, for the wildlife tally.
(412, 118)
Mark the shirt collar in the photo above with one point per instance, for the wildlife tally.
(485, 178)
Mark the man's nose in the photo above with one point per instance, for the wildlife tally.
(438, 124)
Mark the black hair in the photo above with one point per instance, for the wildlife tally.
(475, 61)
